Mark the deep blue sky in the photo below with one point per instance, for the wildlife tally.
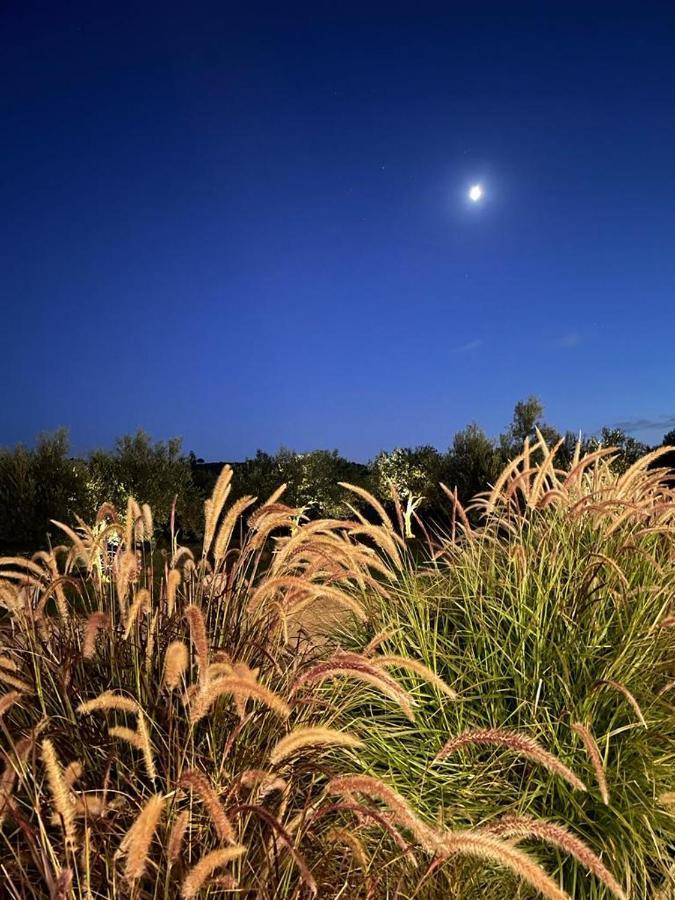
(246, 224)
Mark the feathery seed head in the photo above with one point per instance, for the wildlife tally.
(489, 848)
(594, 755)
(306, 737)
(62, 801)
(176, 836)
(400, 809)
(96, 622)
(176, 661)
(511, 740)
(201, 785)
(195, 619)
(108, 700)
(206, 866)
(136, 843)
(525, 827)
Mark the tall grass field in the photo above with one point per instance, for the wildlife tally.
(335, 708)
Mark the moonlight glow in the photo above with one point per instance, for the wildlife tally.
(476, 193)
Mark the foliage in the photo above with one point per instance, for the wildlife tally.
(414, 473)
(629, 449)
(37, 486)
(153, 472)
(311, 479)
(46, 483)
(527, 420)
(668, 459)
(473, 462)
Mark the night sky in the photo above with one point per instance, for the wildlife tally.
(248, 225)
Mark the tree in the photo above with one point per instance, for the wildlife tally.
(473, 462)
(152, 472)
(311, 478)
(629, 449)
(527, 418)
(36, 486)
(668, 459)
(259, 476)
(313, 481)
(414, 471)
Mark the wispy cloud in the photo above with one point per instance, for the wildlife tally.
(570, 339)
(644, 424)
(469, 346)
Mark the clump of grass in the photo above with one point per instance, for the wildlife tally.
(164, 706)
(545, 615)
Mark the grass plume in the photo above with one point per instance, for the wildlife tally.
(176, 661)
(526, 827)
(135, 845)
(95, 624)
(206, 866)
(517, 743)
(177, 836)
(106, 701)
(400, 809)
(200, 784)
(413, 665)
(593, 752)
(492, 850)
(62, 801)
(311, 737)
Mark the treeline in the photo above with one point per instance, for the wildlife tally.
(45, 483)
